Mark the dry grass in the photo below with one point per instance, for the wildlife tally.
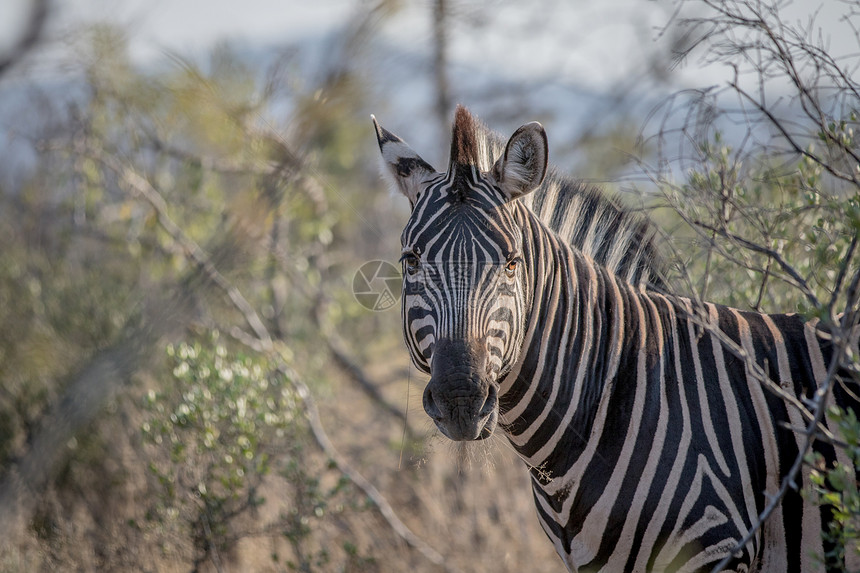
(471, 502)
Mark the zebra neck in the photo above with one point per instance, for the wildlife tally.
(571, 356)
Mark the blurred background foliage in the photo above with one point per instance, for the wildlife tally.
(186, 379)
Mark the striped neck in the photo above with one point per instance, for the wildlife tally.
(571, 352)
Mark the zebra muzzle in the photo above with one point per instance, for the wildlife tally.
(461, 397)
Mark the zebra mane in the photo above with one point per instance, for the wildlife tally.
(589, 219)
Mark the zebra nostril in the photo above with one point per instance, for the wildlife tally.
(490, 403)
(430, 405)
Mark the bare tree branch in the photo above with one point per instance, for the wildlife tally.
(799, 281)
(29, 39)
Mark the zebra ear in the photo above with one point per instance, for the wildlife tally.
(522, 167)
(402, 167)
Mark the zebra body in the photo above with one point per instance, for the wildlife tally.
(658, 450)
(652, 443)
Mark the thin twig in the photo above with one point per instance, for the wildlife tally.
(775, 256)
(360, 481)
(843, 269)
(754, 369)
(346, 363)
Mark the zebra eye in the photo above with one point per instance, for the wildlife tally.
(412, 263)
(511, 268)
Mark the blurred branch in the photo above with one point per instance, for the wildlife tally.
(361, 482)
(218, 165)
(85, 394)
(263, 343)
(345, 362)
(30, 37)
(440, 63)
(338, 347)
(142, 187)
(334, 343)
(289, 160)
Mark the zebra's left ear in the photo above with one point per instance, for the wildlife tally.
(521, 169)
(402, 167)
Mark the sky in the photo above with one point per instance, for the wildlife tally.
(568, 53)
(603, 41)
(605, 34)
(571, 49)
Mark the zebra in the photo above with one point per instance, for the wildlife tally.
(539, 307)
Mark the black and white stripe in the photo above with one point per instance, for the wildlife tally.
(652, 444)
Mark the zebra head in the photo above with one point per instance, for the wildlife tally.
(465, 288)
